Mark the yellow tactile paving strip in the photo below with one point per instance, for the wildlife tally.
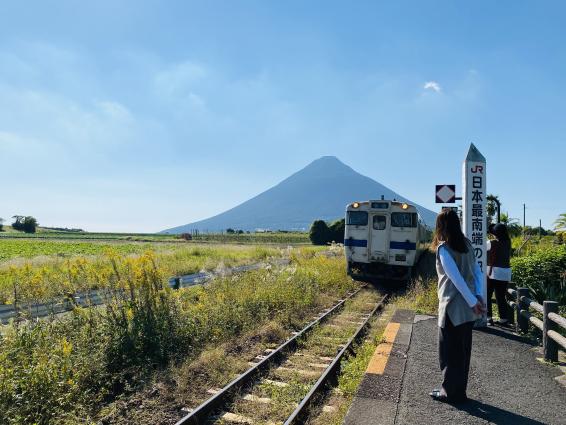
(380, 356)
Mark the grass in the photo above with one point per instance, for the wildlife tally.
(421, 296)
(305, 365)
(10, 249)
(77, 368)
(280, 237)
(46, 233)
(37, 279)
(352, 370)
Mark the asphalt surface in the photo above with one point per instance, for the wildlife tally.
(507, 384)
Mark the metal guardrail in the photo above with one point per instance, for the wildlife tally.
(96, 297)
(551, 320)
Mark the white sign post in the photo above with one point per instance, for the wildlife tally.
(474, 211)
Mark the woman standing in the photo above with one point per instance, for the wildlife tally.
(460, 305)
(498, 272)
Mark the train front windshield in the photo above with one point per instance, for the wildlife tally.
(357, 218)
(404, 219)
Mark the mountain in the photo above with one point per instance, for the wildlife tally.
(321, 190)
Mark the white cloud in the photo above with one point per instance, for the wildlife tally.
(432, 85)
(46, 121)
(114, 110)
(13, 143)
(197, 101)
(179, 78)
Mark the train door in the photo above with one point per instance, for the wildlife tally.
(379, 237)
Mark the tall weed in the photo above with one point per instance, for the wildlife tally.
(60, 370)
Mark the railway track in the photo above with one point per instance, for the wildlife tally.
(282, 385)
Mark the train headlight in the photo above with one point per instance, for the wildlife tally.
(404, 206)
(355, 205)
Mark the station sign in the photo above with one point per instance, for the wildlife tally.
(474, 218)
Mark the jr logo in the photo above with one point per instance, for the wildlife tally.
(477, 169)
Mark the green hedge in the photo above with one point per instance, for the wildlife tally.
(544, 273)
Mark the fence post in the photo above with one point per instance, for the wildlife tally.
(522, 321)
(510, 310)
(550, 347)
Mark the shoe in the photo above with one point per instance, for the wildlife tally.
(437, 395)
(503, 322)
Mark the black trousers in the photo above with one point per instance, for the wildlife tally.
(454, 351)
(500, 288)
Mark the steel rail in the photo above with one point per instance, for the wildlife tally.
(224, 396)
(300, 414)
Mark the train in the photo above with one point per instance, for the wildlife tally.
(384, 239)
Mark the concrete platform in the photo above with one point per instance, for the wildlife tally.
(507, 385)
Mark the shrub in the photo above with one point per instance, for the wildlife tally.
(337, 231)
(27, 224)
(544, 273)
(319, 233)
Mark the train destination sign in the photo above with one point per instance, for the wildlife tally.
(445, 193)
(474, 211)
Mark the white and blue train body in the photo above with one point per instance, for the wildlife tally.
(383, 239)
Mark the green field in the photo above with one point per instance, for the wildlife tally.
(254, 238)
(26, 248)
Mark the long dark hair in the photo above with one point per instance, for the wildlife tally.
(448, 230)
(501, 233)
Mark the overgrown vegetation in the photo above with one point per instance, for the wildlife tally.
(47, 277)
(533, 243)
(421, 296)
(63, 371)
(322, 233)
(543, 272)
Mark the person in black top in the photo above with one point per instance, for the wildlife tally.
(498, 272)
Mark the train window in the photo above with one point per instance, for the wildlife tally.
(399, 219)
(357, 218)
(379, 222)
(380, 205)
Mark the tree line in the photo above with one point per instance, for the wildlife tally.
(22, 223)
(323, 233)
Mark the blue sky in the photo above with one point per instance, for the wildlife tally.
(139, 116)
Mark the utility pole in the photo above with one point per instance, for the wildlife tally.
(539, 228)
(524, 225)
